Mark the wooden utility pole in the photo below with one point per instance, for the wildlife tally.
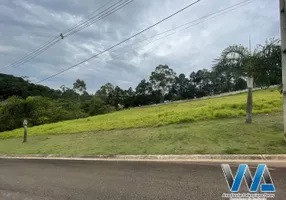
(283, 51)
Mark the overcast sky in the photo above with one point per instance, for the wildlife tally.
(26, 24)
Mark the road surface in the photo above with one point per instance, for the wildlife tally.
(60, 180)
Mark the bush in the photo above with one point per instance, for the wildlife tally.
(225, 113)
(37, 110)
(12, 113)
(96, 106)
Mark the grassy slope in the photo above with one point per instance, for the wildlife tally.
(229, 136)
(265, 101)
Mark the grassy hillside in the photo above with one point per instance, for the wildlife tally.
(265, 101)
(227, 136)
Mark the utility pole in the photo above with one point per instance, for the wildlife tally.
(283, 52)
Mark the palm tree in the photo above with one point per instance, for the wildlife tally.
(245, 63)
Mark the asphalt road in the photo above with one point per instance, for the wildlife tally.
(60, 180)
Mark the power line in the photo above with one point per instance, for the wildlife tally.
(93, 20)
(220, 12)
(29, 55)
(73, 30)
(58, 38)
(212, 15)
(207, 17)
(86, 17)
(199, 21)
(121, 41)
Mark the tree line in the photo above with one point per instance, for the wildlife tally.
(40, 104)
(228, 73)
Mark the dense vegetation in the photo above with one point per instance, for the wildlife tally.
(11, 85)
(40, 104)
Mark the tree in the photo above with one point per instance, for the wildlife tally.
(162, 80)
(181, 88)
(247, 62)
(192, 83)
(119, 96)
(143, 88)
(63, 88)
(69, 93)
(12, 113)
(79, 86)
(239, 84)
(129, 98)
(270, 70)
(202, 82)
(97, 106)
(143, 93)
(86, 96)
(224, 75)
(11, 85)
(106, 93)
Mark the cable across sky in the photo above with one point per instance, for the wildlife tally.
(184, 26)
(140, 32)
(91, 19)
(187, 25)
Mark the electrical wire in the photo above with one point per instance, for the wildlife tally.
(199, 21)
(140, 32)
(52, 43)
(207, 17)
(90, 15)
(80, 26)
(93, 20)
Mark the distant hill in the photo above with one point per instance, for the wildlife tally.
(11, 85)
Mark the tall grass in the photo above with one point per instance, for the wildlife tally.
(264, 101)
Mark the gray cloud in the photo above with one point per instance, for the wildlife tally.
(25, 25)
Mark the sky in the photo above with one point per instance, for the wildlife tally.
(25, 25)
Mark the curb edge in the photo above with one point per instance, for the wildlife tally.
(209, 157)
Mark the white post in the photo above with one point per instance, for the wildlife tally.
(25, 124)
(249, 100)
(283, 50)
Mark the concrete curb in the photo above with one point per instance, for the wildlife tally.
(197, 158)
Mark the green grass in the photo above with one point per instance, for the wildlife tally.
(265, 101)
(228, 136)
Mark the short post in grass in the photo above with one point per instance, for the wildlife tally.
(25, 124)
(249, 100)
